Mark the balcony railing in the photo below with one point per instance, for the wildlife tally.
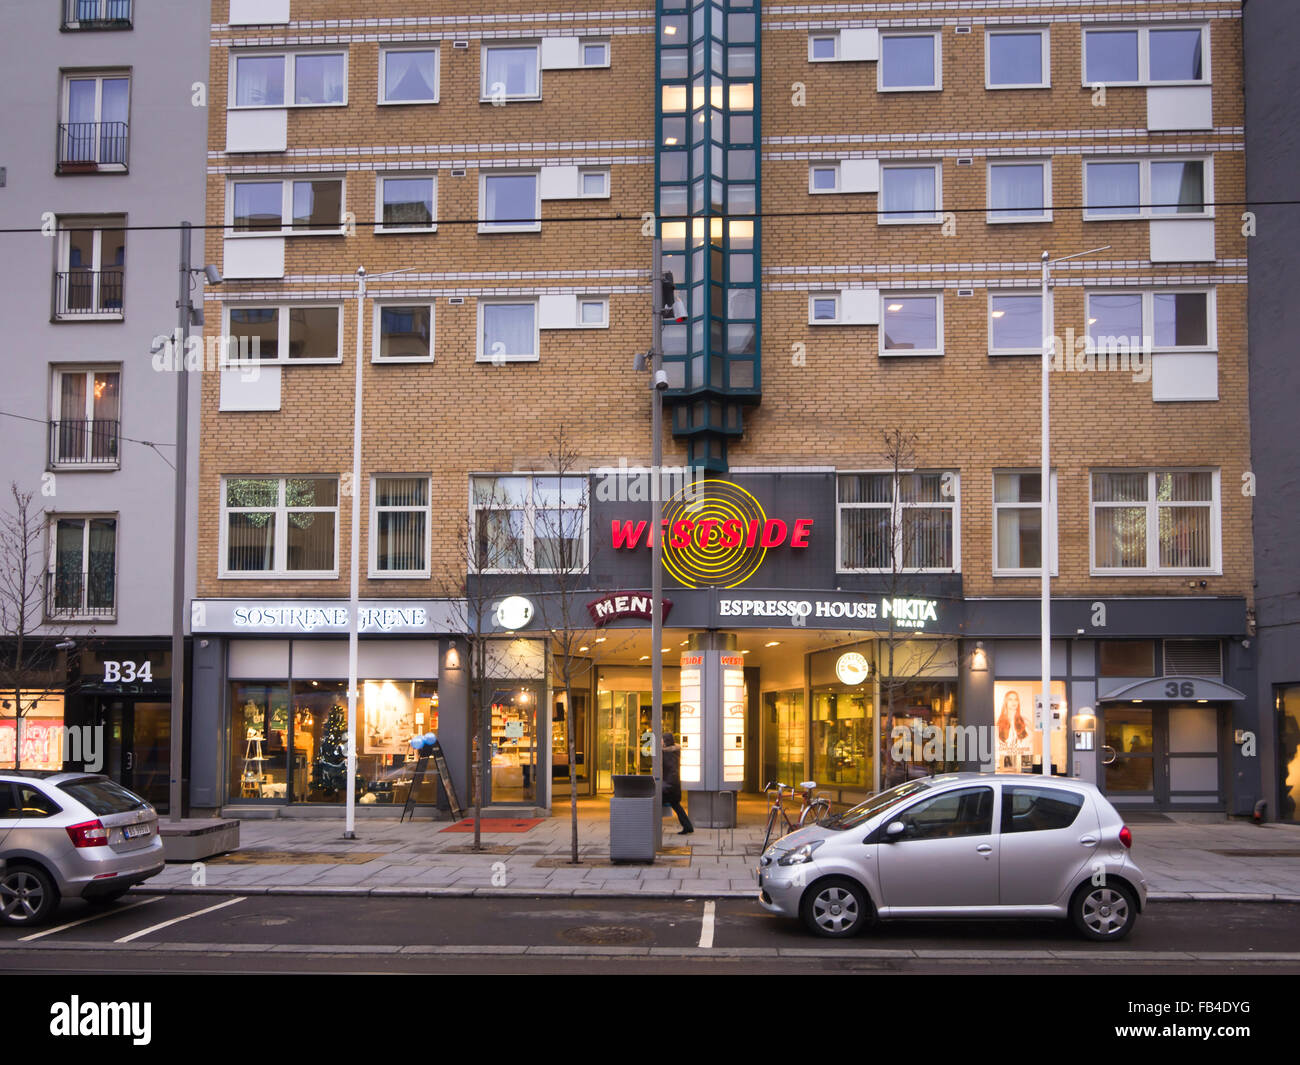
(90, 146)
(84, 443)
(96, 14)
(75, 594)
(88, 293)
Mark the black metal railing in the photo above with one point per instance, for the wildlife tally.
(74, 594)
(80, 293)
(91, 145)
(83, 443)
(96, 14)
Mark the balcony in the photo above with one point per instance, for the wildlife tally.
(91, 444)
(84, 294)
(72, 594)
(96, 15)
(91, 147)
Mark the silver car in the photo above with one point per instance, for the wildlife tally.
(70, 835)
(961, 845)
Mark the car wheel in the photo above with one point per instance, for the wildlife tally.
(1105, 912)
(27, 895)
(836, 908)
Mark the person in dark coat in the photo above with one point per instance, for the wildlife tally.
(673, 783)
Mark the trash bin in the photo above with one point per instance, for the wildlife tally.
(633, 819)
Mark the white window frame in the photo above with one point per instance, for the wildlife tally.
(603, 302)
(936, 37)
(885, 298)
(433, 47)
(98, 76)
(375, 337)
(286, 206)
(485, 90)
(1023, 293)
(377, 574)
(288, 56)
(1144, 52)
(530, 509)
(404, 175)
(583, 174)
(97, 224)
(87, 371)
(994, 217)
(486, 226)
(537, 331)
(282, 511)
(592, 42)
(283, 311)
(1018, 31)
(813, 297)
(52, 568)
(911, 164)
(1153, 524)
(834, 37)
(1048, 524)
(833, 167)
(897, 507)
(1148, 313)
(1146, 211)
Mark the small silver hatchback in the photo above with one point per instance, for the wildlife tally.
(961, 845)
(70, 835)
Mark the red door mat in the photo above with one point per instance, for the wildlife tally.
(496, 824)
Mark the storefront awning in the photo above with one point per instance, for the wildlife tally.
(1173, 690)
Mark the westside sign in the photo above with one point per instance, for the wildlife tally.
(614, 606)
(769, 532)
(902, 613)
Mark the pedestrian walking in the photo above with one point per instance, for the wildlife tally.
(673, 783)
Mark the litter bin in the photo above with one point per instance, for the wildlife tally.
(633, 819)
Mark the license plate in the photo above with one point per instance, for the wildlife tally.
(135, 831)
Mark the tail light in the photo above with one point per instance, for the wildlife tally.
(88, 834)
(1125, 836)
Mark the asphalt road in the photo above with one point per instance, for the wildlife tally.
(297, 934)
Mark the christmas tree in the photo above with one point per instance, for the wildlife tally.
(329, 773)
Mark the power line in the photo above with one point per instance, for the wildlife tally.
(129, 439)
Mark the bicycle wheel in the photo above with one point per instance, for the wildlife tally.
(815, 812)
(771, 825)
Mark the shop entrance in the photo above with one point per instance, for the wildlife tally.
(137, 746)
(624, 741)
(1164, 757)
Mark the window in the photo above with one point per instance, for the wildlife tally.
(507, 331)
(909, 193)
(408, 75)
(289, 79)
(1173, 320)
(406, 203)
(527, 523)
(1146, 56)
(1016, 59)
(593, 312)
(93, 133)
(91, 276)
(1015, 323)
(595, 53)
(511, 72)
(909, 61)
(1032, 809)
(288, 205)
(954, 814)
(403, 332)
(823, 47)
(1018, 523)
(287, 332)
(824, 178)
(1126, 658)
(593, 183)
(85, 417)
(891, 524)
(1155, 521)
(911, 325)
(509, 202)
(279, 526)
(96, 14)
(1147, 188)
(823, 307)
(32, 803)
(1020, 192)
(82, 580)
(399, 524)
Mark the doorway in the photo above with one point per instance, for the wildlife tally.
(1166, 757)
(1287, 700)
(137, 747)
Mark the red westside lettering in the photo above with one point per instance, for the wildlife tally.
(704, 528)
(625, 534)
(681, 533)
(802, 527)
(753, 533)
(773, 533)
(730, 536)
(687, 533)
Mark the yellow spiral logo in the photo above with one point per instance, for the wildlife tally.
(703, 554)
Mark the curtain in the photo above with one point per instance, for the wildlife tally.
(113, 117)
(79, 137)
(250, 542)
(1177, 188)
(101, 571)
(259, 81)
(515, 68)
(511, 198)
(1114, 188)
(1016, 190)
(400, 504)
(908, 192)
(318, 79)
(508, 329)
(410, 75)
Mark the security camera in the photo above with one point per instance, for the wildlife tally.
(660, 380)
(640, 361)
(213, 274)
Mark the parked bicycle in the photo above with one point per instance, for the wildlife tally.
(814, 809)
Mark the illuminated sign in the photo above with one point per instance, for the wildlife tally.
(852, 668)
(514, 612)
(310, 618)
(614, 606)
(902, 613)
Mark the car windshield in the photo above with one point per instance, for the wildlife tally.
(103, 797)
(866, 810)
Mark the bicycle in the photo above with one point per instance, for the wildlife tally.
(815, 807)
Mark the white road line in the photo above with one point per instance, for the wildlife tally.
(92, 917)
(177, 920)
(706, 928)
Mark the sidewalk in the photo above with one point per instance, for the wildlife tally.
(1228, 860)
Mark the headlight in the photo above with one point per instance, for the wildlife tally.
(801, 855)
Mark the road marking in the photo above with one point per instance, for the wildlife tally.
(177, 920)
(92, 917)
(706, 929)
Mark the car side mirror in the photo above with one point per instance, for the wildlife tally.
(895, 829)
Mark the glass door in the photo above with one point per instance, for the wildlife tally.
(1287, 700)
(1134, 774)
(514, 745)
(137, 747)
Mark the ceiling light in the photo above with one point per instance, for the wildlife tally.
(894, 307)
(600, 639)
(772, 643)
(998, 314)
(582, 648)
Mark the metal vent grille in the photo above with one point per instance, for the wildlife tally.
(1195, 658)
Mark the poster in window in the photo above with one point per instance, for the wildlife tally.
(389, 717)
(1017, 745)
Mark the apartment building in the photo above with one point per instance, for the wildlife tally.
(106, 119)
(853, 201)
